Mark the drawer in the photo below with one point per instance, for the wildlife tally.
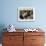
(12, 44)
(27, 41)
(37, 44)
(34, 33)
(13, 33)
(17, 41)
(27, 37)
(8, 45)
(12, 39)
(37, 39)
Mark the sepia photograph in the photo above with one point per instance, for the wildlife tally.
(26, 14)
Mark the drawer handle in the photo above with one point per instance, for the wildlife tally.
(11, 38)
(33, 39)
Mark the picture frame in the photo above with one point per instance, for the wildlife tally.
(26, 14)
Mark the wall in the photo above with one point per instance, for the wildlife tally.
(9, 13)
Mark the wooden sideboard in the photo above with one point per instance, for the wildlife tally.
(23, 39)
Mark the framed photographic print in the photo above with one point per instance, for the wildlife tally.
(26, 14)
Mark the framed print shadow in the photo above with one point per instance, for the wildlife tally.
(26, 14)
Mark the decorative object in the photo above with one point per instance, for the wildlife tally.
(33, 30)
(11, 28)
(26, 14)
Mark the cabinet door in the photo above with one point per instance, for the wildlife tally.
(18, 41)
(13, 40)
(37, 40)
(27, 39)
